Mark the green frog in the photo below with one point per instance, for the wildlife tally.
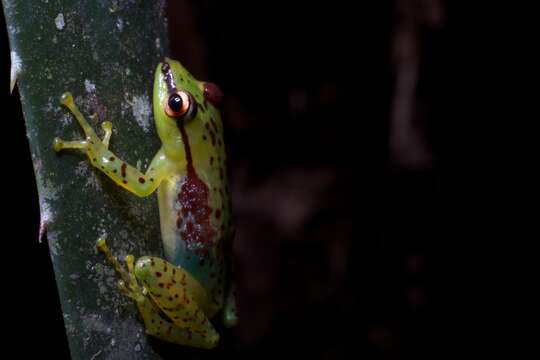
(176, 297)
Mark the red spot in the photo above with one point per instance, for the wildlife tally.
(179, 221)
(193, 199)
(123, 169)
(212, 93)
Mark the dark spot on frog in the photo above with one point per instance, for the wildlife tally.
(141, 180)
(165, 67)
(123, 169)
(214, 124)
(111, 158)
(218, 214)
(158, 274)
(211, 160)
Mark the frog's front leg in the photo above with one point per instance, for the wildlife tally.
(103, 159)
(171, 302)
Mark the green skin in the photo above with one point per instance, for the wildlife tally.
(176, 297)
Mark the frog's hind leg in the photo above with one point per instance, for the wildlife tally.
(161, 323)
(181, 298)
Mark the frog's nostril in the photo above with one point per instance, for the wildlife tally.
(165, 67)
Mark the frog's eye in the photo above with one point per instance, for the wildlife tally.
(180, 105)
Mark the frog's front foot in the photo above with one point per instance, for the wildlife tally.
(91, 140)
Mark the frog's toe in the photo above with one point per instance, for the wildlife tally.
(58, 144)
(66, 98)
(107, 128)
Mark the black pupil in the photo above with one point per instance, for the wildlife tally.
(175, 103)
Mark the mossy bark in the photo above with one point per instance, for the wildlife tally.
(104, 53)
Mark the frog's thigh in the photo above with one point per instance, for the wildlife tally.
(159, 327)
(179, 296)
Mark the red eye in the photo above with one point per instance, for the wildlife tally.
(212, 93)
(178, 104)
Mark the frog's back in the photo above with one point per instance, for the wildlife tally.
(195, 207)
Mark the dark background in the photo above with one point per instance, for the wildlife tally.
(358, 147)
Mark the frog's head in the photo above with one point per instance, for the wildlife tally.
(180, 101)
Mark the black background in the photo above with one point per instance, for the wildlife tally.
(389, 260)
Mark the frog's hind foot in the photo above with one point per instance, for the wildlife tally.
(128, 284)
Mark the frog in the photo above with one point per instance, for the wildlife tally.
(176, 296)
